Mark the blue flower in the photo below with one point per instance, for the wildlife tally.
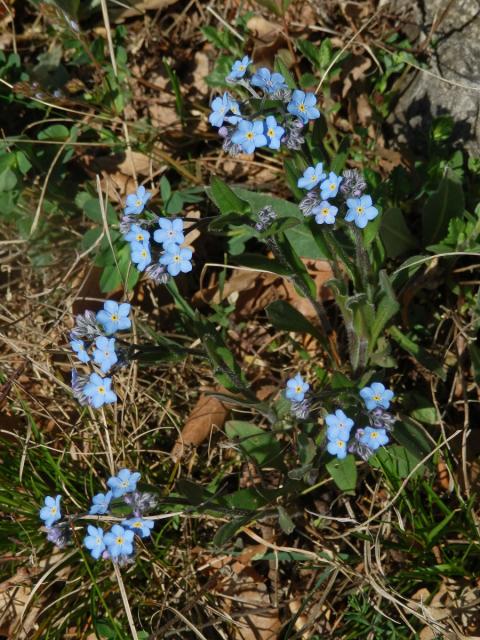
(124, 482)
(176, 259)
(140, 255)
(329, 187)
(311, 177)
(95, 541)
(137, 234)
(273, 132)
(338, 426)
(119, 541)
(325, 213)
(136, 202)
(239, 68)
(337, 448)
(373, 438)
(235, 109)
(360, 210)
(376, 396)
(220, 108)
(100, 504)
(98, 391)
(302, 105)
(79, 347)
(170, 231)
(249, 135)
(269, 82)
(104, 354)
(50, 513)
(296, 388)
(114, 317)
(140, 526)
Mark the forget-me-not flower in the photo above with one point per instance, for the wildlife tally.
(104, 353)
(136, 202)
(220, 107)
(269, 82)
(98, 391)
(329, 187)
(140, 255)
(124, 482)
(302, 105)
(273, 132)
(176, 259)
(337, 448)
(119, 541)
(376, 396)
(50, 512)
(169, 231)
(338, 426)
(114, 317)
(95, 542)
(325, 213)
(311, 177)
(374, 438)
(140, 526)
(137, 234)
(79, 347)
(239, 68)
(296, 388)
(249, 135)
(100, 504)
(360, 211)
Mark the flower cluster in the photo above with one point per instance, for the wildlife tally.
(92, 342)
(117, 543)
(322, 188)
(276, 115)
(170, 257)
(296, 392)
(368, 439)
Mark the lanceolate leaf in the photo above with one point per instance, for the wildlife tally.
(444, 204)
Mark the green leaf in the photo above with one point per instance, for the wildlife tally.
(300, 237)
(444, 204)
(255, 442)
(8, 180)
(286, 523)
(282, 68)
(396, 236)
(92, 210)
(283, 316)
(418, 352)
(396, 461)
(343, 472)
(227, 531)
(165, 189)
(386, 309)
(225, 198)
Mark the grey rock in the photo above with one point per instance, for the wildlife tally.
(454, 27)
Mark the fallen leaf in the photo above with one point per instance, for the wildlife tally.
(138, 8)
(207, 414)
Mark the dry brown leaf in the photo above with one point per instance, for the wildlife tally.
(139, 7)
(262, 28)
(206, 414)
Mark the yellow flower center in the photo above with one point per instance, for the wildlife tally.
(124, 484)
(340, 444)
(114, 317)
(325, 211)
(119, 540)
(241, 67)
(376, 397)
(332, 186)
(176, 258)
(53, 510)
(271, 133)
(143, 253)
(137, 525)
(298, 389)
(360, 210)
(374, 434)
(249, 135)
(139, 237)
(301, 107)
(138, 203)
(314, 177)
(101, 390)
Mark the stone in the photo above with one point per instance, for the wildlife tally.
(449, 30)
